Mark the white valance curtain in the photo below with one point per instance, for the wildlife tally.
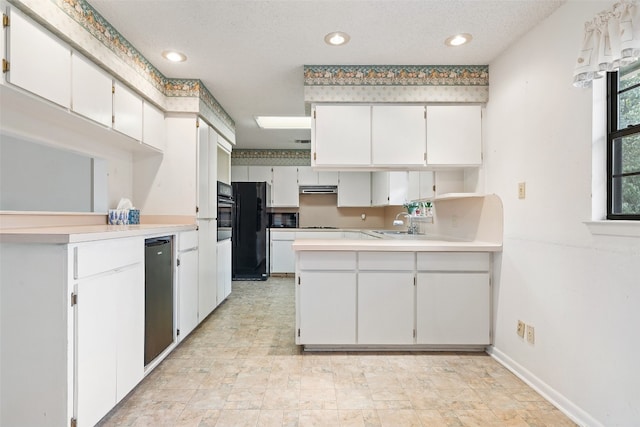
(611, 40)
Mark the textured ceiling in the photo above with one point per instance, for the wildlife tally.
(250, 54)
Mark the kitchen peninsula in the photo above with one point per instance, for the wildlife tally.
(430, 291)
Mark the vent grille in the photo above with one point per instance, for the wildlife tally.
(302, 141)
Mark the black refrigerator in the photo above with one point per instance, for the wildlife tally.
(250, 236)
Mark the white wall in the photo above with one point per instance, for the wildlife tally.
(580, 292)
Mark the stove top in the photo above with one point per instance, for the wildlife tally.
(321, 227)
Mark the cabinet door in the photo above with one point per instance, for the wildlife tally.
(282, 256)
(385, 307)
(127, 111)
(327, 178)
(284, 192)
(154, 133)
(207, 172)
(453, 308)
(128, 286)
(307, 176)
(96, 329)
(327, 307)
(261, 174)
(420, 185)
(454, 135)
(379, 188)
(91, 90)
(398, 135)
(188, 292)
(224, 270)
(207, 269)
(389, 188)
(239, 173)
(31, 51)
(354, 189)
(341, 135)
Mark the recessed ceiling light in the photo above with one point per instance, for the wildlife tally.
(173, 56)
(337, 38)
(284, 122)
(458, 39)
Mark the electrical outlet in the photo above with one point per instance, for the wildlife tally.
(522, 190)
(520, 329)
(531, 334)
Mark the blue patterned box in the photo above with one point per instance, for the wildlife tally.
(134, 216)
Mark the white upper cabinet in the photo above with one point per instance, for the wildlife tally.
(354, 189)
(341, 135)
(454, 135)
(239, 173)
(307, 176)
(389, 188)
(127, 111)
(39, 62)
(261, 174)
(420, 185)
(284, 191)
(154, 133)
(207, 172)
(398, 135)
(91, 90)
(387, 136)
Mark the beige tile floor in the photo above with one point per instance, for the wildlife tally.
(242, 368)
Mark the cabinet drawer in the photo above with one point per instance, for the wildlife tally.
(98, 257)
(453, 261)
(283, 235)
(320, 235)
(313, 260)
(187, 240)
(385, 261)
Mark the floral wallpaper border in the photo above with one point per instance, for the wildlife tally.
(396, 75)
(85, 15)
(248, 157)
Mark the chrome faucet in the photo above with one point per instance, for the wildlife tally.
(411, 228)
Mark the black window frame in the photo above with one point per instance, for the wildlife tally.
(614, 133)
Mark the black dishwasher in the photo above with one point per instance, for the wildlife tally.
(158, 302)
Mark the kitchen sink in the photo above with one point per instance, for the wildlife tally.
(393, 232)
(402, 234)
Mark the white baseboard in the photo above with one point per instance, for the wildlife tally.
(571, 410)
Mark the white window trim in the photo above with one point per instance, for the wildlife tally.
(598, 224)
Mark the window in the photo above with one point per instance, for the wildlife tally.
(623, 143)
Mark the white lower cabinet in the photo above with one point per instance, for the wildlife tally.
(453, 308)
(419, 299)
(109, 324)
(385, 297)
(223, 255)
(328, 304)
(326, 298)
(385, 307)
(282, 256)
(207, 270)
(109, 340)
(187, 272)
(453, 298)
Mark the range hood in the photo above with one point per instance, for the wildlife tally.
(318, 189)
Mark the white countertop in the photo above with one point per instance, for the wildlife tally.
(393, 245)
(87, 233)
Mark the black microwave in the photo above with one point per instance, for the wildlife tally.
(283, 220)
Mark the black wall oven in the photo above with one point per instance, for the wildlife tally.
(225, 211)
